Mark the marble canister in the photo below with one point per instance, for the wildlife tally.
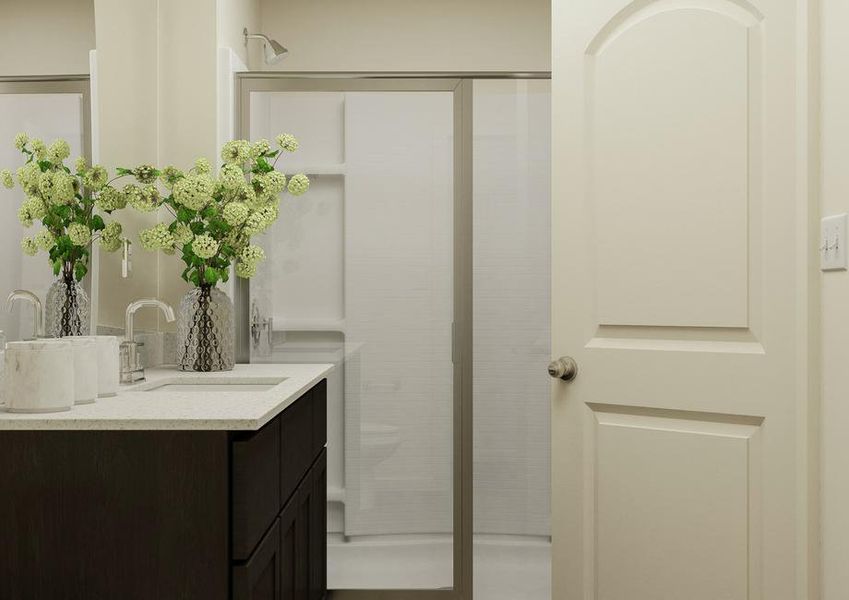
(39, 376)
(107, 364)
(85, 368)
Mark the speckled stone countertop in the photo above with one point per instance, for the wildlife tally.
(204, 408)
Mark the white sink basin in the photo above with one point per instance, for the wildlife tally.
(210, 384)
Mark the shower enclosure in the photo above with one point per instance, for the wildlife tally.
(423, 242)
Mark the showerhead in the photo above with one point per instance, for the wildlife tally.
(272, 49)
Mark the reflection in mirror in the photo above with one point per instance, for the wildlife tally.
(48, 116)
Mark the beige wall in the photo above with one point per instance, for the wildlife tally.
(835, 303)
(46, 37)
(157, 92)
(127, 85)
(409, 35)
(233, 17)
(187, 106)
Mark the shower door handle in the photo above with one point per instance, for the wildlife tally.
(564, 368)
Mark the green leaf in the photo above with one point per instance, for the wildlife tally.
(123, 171)
(197, 228)
(64, 244)
(262, 166)
(63, 211)
(210, 275)
(184, 215)
(195, 278)
(209, 212)
(79, 271)
(97, 223)
(57, 266)
(44, 165)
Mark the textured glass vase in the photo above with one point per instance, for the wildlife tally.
(206, 331)
(67, 310)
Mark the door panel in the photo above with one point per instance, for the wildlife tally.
(683, 482)
(679, 286)
(659, 262)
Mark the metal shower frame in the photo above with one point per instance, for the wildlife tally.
(461, 86)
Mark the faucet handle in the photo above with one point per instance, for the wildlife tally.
(131, 369)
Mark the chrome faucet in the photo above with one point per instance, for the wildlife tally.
(131, 367)
(28, 296)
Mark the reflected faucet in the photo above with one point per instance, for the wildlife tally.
(131, 367)
(28, 296)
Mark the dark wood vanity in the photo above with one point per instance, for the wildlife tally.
(167, 514)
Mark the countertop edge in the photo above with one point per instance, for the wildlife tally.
(67, 422)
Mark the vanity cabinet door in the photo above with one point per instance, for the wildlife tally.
(318, 529)
(303, 535)
(291, 561)
(259, 578)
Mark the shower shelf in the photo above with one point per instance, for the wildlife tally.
(316, 169)
(282, 324)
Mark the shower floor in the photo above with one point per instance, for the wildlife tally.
(506, 567)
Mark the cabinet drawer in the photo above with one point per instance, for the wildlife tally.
(256, 486)
(296, 444)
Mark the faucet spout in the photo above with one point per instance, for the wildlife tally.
(28, 296)
(132, 369)
(142, 303)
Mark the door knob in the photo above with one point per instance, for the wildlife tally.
(564, 368)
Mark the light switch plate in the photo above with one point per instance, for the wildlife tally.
(833, 243)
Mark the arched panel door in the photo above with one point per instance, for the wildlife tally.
(680, 287)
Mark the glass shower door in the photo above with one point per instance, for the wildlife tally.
(511, 152)
(360, 273)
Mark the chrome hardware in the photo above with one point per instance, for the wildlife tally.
(28, 296)
(564, 368)
(126, 258)
(131, 367)
(257, 326)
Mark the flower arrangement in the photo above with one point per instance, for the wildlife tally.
(64, 201)
(214, 217)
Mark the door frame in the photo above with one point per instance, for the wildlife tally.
(460, 84)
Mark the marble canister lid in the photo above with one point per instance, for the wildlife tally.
(47, 345)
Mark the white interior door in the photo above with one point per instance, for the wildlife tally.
(679, 285)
